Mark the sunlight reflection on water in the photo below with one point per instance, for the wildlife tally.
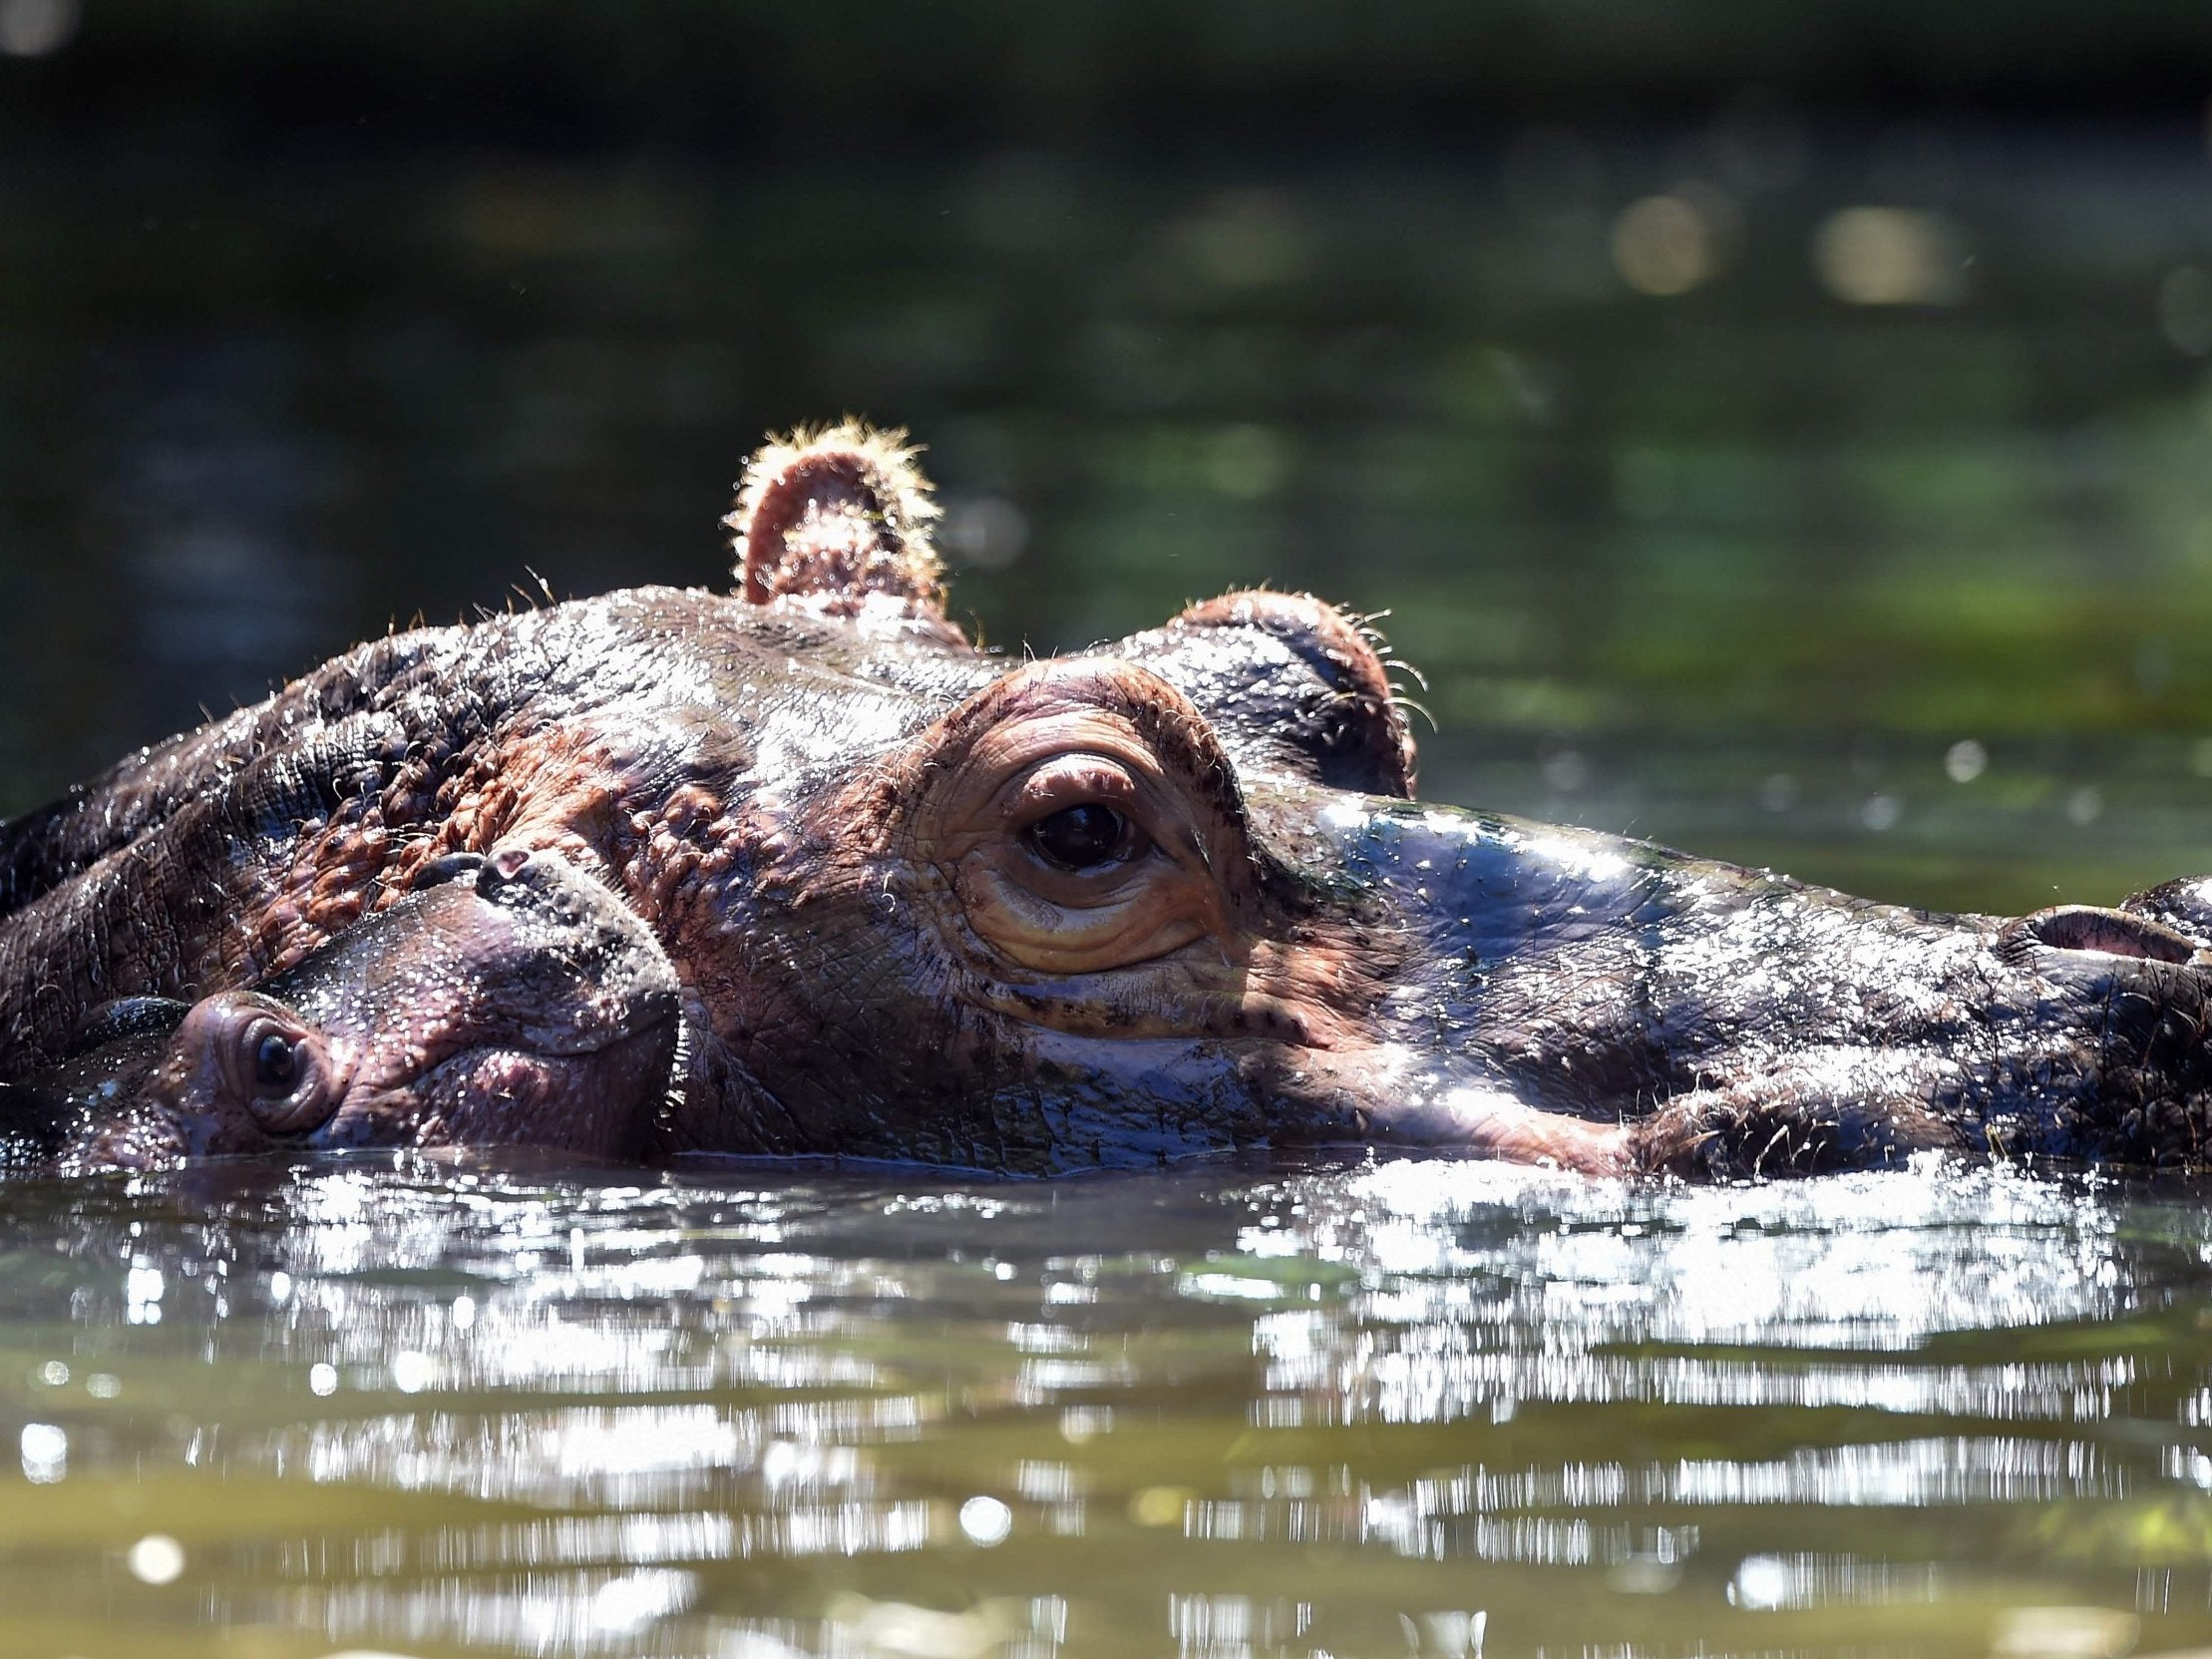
(1231, 1411)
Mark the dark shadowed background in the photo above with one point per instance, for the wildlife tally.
(1780, 431)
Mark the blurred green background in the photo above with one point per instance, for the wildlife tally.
(1780, 432)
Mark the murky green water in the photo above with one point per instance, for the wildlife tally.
(1418, 1408)
(1913, 598)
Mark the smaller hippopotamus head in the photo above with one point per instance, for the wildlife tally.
(504, 1000)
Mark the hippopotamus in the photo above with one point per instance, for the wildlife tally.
(1168, 896)
(501, 1000)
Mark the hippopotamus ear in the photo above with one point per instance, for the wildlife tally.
(831, 517)
(1292, 685)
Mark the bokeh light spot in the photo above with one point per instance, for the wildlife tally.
(45, 1448)
(987, 1520)
(157, 1558)
(1890, 257)
(1964, 761)
(1662, 244)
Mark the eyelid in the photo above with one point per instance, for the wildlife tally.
(1070, 780)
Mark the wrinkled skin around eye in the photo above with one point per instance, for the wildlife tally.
(1074, 850)
(257, 1058)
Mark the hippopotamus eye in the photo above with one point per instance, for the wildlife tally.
(1076, 818)
(260, 1058)
(1084, 836)
(275, 1062)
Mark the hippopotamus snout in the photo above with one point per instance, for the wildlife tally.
(1571, 998)
(506, 998)
(513, 999)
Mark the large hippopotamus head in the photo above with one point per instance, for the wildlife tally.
(1172, 894)
(1166, 896)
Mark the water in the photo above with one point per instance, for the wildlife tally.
(1409, 1408)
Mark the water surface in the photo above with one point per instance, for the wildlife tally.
(1418, 1407)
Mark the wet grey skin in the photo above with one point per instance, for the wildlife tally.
(1167, 896)
(1698, 1017)
(506, 1000)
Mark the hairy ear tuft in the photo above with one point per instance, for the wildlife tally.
(833, 514)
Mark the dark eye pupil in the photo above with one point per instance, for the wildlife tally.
(1079, 837)
(275, 1063)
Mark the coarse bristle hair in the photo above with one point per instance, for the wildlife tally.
(850, 465)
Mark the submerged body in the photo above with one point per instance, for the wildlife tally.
(1160, 898)
(504, 1000)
